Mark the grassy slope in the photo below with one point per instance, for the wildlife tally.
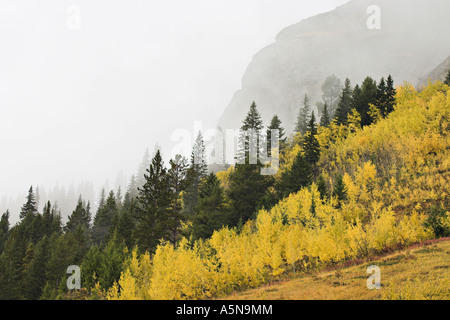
(429, 264)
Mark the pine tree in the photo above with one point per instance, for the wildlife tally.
(4, 229)
(339, 190)
(80, 217)
(153, 205)
(303, 116)
(35, 277)
(447, 78)
(11, 267)
(250, 141)
(322, 188)
(103, 220)
(300, 175)
(210, 212)
(275, 124)
(196, 172)
(30, 206)
(310, 143)
(390, 95)
(367, 96)
(177, 182)
(325, 117)
(344, 104)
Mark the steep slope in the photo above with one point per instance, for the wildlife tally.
(437, 73)
(408, 45)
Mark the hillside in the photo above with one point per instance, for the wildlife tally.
(339, 43)
(420, 272)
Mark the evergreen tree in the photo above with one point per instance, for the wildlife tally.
(325, 117)
(310, 143)
(299, 176)
(345, 103)
(367, 96)
(4, 229)
(303, 116)
(339, 190)
(447, 78)
(30, 206)
(210, 212)
(275, 124)
(11, 267)
(80, 217)
(322, 188)
(247, 185)
(390, 95)
(154, 201)
(195, 174)
(177, 176)
(103, 219)
(250, 140)
(35, 277)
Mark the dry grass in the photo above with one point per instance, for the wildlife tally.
(422, 265)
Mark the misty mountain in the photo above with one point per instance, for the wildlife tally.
(408, 45)
(437, 73)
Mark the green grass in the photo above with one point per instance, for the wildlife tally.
(415, 273)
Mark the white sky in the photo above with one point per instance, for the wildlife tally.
(85, 104)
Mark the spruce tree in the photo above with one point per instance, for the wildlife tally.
(35, 277)
(177, 183)
(325, 117)
(210, 212)
(275, 124)
(300, 175)
(4, 229)
(345, 103)
(303, 116)
(368, 95)
(322, 188)
(196, 172)
(339, 191)
(80, 217)
(103, 220)
(154, 201)
(250, 140)
(390, 95)
(30, 206)
(310, 143)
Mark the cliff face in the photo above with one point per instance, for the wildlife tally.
(438, 73)
(410, 43)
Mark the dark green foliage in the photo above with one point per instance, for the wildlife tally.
(11, 267)
(196, 172)
(103, 219)
(154, 202)
(310, 144)
(447, 78)
(250, 140)
(80, 217)
(325, 117)
(303, 116)
(345, 103)
(211, 213)
(339, 191)
(435, 221)
(247, 188)
(367, 96)
(299, 176)
(4, 229)
(322, 188)
(35, 275)
(275, 124)
(30, 206)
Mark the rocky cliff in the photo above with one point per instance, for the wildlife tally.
(410, 43)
